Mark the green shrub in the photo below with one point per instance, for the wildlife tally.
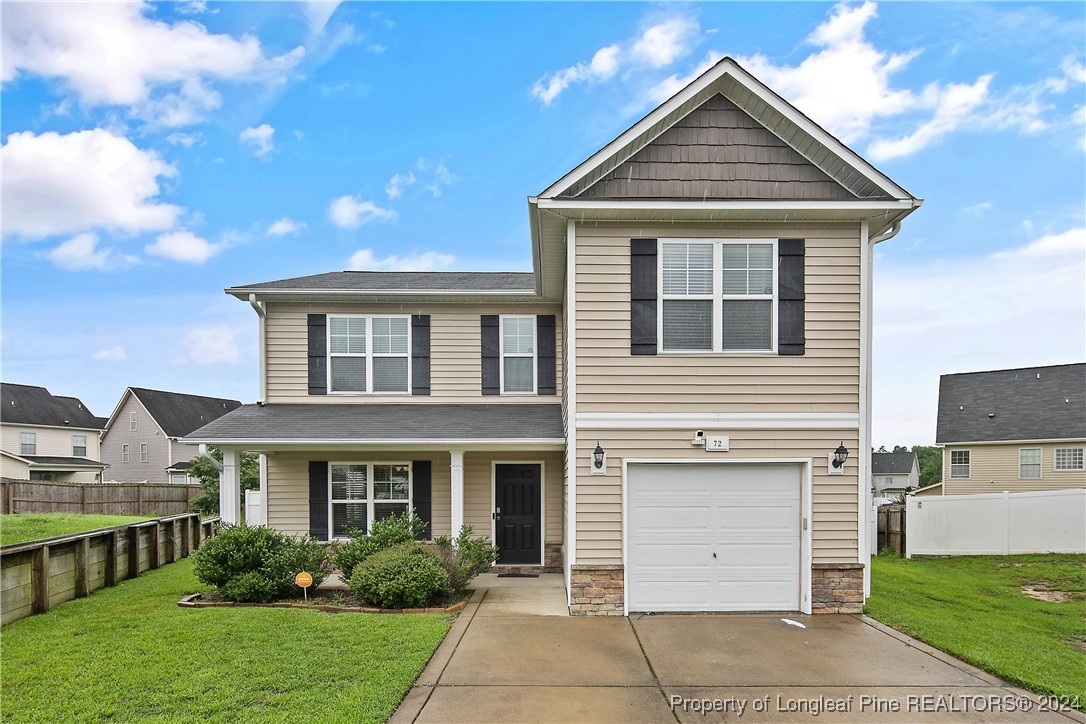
(384, 534)
(405, 576)
(464, 558)
(249, 563)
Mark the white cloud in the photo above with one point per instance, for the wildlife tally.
(213, 344)
(954, 104)
(179, 138)
(116, 353)
(195, 7)
(81, 253)
(365, 259)
(259, 139)
(1074, 69)
(604, 64)
(348, 212)
(318, 13)
(395, 186)
(438, 174)
(184, 246)
(662, 44)
(285, 227)
(54, 184)
(1017, 307)
(113, 54)
(978, 209)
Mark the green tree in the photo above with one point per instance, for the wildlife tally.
(207, 474)
(930, 460)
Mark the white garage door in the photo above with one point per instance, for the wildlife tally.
(722, 537)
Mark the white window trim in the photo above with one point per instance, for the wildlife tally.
(33, 443)
(143, 452)
(1040, 463)
(717, 297)
(369, 354)
(132, 421)
(1056, 457)
(534, 355)
(369, 492)
(968, 465)
(84, 446)
(125, 454)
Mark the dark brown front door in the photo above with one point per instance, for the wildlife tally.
(517, 514)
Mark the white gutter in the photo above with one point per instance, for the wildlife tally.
(203, 453)
(261, 312)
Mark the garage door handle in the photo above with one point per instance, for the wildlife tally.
(714, 555)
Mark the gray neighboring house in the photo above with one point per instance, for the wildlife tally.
(893, 473)
(47, 436)
(140, 438)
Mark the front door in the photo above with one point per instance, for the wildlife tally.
(517, 516)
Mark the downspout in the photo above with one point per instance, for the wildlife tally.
(203, 453)
(867, 325)
(263, 314)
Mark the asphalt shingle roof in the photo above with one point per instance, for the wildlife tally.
(31, 405)
(56, 461)
(1031, 403)
(348, 422)
(179, 414)
(371, 281)
(892, 463)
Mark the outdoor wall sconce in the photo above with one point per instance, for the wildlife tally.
(837, 460)
(599, 460)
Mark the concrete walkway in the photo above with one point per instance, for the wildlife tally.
(514, 656)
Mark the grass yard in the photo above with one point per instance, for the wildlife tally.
(130, 653)
(24, 527)
(973, 607)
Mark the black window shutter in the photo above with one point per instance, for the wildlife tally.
(420, 354)
(546, 371)
(491, 355)
(421, 475)
(318, 354)
(643, 294)
(318, 499)
(791, 339)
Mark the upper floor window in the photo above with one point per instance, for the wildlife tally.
(369, 354)
(1029, 462)
(124, 453)
(959, 463)
(360, 493)
(143, 452)
(1068, 458)
(79, 446)
(132, 421)
(28, 443)
(718, 296)
(518, 356)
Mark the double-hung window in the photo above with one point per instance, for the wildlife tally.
(518, 371)
(1029, 462)
(959, 463)
(143, 452)
(369, 354)
(718, 296)
(28, 443)
(361, 493)
(1068, 458)
(132, 421)
(124, 453)
(79, 446)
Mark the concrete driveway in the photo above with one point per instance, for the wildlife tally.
(512, 657)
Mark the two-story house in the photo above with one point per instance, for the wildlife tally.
(669, 409)
(140, 440)
(1015, 430)
(47, 437)
(893, 473)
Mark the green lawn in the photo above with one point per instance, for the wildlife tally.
(23, 527)
(973, 607)
(130, 653)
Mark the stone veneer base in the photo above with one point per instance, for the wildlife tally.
(596, 590)
(837, 588)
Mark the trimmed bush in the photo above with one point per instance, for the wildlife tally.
(464, 558)
(257, 564)
(384, 534)
(405, 576)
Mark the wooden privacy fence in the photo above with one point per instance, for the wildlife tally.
(891, 527)
(38, 575)
(37, 496)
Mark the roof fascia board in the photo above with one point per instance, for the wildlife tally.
(51, 427)
(1016, 442)
(243, 293)
(478, 443)
(726, 205)
(13, 456)
(59, 467)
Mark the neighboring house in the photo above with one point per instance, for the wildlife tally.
(1016, 430)
(698, 317)
(140, 441)
(893, 473)
(47, 437)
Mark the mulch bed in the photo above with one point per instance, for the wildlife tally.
(334, 603)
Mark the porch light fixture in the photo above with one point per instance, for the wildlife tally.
(599, 460)
(837, 460)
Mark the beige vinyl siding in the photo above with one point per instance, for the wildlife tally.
(599, 497)
(288, 487)
(994, 468)
(13, 469)
(455, 351)
(824, 379)
(52, 441)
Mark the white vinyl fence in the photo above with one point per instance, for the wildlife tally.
(1050, 521)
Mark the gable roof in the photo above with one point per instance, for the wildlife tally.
(176, 413)
(398, 282)
(32, 405)
(899, 463)
(1029, 403)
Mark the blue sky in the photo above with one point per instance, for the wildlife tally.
(156, 154)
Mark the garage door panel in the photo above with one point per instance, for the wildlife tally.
(674, 554)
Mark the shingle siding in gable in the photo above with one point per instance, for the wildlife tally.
(717, 152)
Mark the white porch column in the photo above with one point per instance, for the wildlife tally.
(456, 473)
(230, 487)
